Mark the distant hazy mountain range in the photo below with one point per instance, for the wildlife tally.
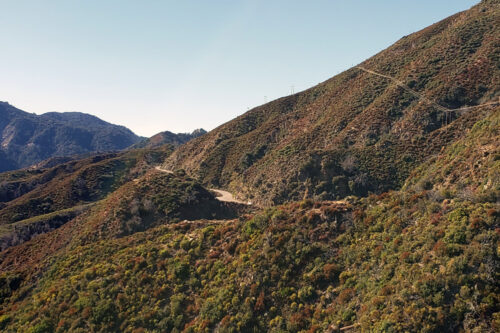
(27, 139)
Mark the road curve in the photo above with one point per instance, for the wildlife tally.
(226, 196)
(163, 170)
(222, 195)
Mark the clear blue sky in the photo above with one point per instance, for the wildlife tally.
(180, 65)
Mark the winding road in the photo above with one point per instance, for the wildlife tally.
(227, 197)
(422, 97)
(222, 195)
(163, 170)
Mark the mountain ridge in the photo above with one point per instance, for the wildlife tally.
(167, 137)
(27, 138)
(30, 140)
(317, 142)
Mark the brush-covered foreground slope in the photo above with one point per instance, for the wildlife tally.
(358, 132)
(423, 259)
(153, 199)
(26, 138)
(34, 201)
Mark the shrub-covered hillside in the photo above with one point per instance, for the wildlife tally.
(33, 201)
(359, 132)
(389, 215)
(423, 259)
(153, 199)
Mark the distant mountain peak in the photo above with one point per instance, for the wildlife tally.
(167, 137)
(28, 138)
(198, 132)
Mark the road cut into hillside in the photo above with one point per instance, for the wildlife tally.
(221, 195)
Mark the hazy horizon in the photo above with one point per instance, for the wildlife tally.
(181, 66)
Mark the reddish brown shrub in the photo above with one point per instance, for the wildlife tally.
(492, 212)
(331, 271)
(345, 295)
(259, 304)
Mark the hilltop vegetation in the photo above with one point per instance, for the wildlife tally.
(357, 132)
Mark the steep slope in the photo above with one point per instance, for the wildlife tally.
(359, 132)
(175, 139)
(423, 259)
(26, 139)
